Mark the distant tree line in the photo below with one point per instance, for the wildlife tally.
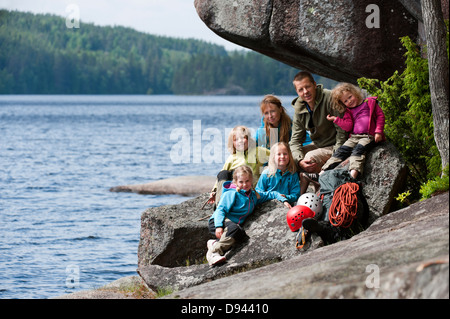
(40, 55)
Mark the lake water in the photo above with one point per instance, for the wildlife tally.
(61, 229)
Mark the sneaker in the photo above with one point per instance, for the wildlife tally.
(210, 244)
(214, 258)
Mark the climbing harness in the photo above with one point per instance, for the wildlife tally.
(344, 205)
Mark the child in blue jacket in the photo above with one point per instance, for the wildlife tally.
(281, 175)
(237, 202)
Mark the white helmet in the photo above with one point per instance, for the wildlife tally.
(312, 201)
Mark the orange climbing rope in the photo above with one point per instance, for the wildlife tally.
(344, 205)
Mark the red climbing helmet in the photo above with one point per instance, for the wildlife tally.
(296, 215)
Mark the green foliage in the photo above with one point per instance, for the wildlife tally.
(164, 291)
(40, 55)
(436, 185)
(406, 102)
(403, 197)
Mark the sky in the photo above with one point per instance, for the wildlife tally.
(173, 18)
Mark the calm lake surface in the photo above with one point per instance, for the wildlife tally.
(61, 229)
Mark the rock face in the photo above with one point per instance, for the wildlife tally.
(401, 255)
(384, 178)
(173, 238)
(342, 40)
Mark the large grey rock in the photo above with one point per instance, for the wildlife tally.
(329, 38)
(181, 185)
(404, 254)
(131, 287)
(173, 238)
(383, 179)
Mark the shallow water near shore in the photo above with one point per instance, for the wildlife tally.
(61, 230)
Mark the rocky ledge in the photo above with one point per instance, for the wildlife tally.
(182, 185)
(402, 254)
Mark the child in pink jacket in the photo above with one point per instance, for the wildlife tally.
(363, 119)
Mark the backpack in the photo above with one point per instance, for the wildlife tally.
(344, 205)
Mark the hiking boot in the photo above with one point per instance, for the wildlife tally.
(312, 225)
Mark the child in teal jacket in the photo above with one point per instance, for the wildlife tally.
(281, 175)
(237, 202)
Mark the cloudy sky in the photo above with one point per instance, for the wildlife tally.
(174, 18)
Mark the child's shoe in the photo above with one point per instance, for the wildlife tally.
(212, 257)
(210, 244)
(215, 259)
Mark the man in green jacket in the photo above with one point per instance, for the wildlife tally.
(312, 106)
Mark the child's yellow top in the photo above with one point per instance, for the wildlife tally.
(255, 158)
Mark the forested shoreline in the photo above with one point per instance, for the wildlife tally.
(41, 55)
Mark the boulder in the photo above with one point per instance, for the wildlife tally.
(404, 254)
(183, 185)
(173, 238)
(383, 179)
(340, 40)
(172, 246)
(131, 287)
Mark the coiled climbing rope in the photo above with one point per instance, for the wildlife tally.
(344, 205)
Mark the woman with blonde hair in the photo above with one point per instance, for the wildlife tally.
(276, 125)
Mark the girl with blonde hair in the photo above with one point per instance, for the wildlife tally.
(363, 119)
(237, 202)
(243, 151)
(339, 90)
(281, 174)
